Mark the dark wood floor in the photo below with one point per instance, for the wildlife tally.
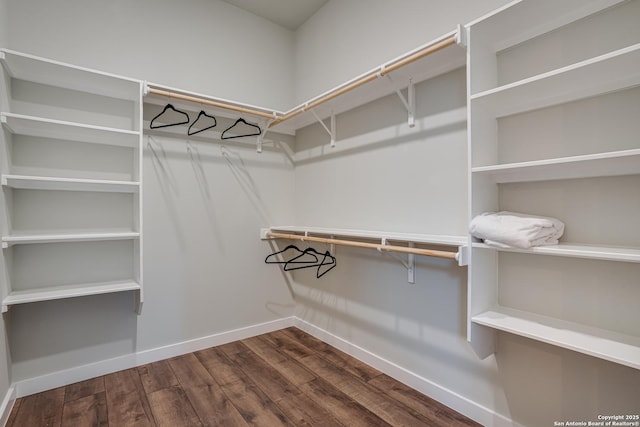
(284, 378)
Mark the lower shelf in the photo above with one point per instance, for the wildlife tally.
(67, 291)
(615, 347)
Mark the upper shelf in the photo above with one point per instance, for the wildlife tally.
(57, 129)
(626, 162)
(566, 84)
(523, 20)
(352, 95)
(53, 73)
(444, 240)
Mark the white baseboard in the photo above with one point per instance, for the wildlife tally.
(455, 401)
(7, 405)
(92, 370)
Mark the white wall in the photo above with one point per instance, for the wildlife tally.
(200, 45)
(203, 202)
(415, 182)
(346, 38)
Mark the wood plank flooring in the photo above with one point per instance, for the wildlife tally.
(284, 378)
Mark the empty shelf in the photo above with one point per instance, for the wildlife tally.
(17, 239)
(68, 291)
(615, 347)
(68, 184)
(48, 128)
(625, 162)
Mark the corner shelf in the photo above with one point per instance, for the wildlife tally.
(68, 184)
(566, 84)
(41, 127)
(377, 235)
(615, 163)
(17, 239)
(68, 291)
(615, 347)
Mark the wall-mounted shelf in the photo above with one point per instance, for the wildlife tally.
(18, 239)
(351, 95)
(625, 162)
(615, 347)
(387, 240)
(68, 184)
(566, 84)
(68, 291)
(54, 73)
(48, 128)
(608, 253)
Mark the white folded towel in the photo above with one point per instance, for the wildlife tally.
(516, 230)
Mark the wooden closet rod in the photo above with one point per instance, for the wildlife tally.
(212, 103)
(381, 71)
(380, 247)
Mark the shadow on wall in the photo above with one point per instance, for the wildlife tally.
(440, 110)
(70, 332)
(544, 383)
(368, 293)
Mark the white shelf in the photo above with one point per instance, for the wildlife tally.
(571, 250)
(16, 239)
(68, 184)
(615, 347)
(40, 70)
(48, 128)
(377, 235)
(616, 163)
(519, 21)
(68, 291)
(430, 66)
(566, 84)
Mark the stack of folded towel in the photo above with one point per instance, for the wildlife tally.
(516, 230)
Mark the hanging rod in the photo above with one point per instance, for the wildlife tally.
(378, 72)
(380, 247)
(218, 104)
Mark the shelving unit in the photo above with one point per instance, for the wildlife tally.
(499, 109)
(68, 108)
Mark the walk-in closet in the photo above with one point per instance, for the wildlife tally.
(320, 212)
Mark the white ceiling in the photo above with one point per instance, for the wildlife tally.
(287, 13)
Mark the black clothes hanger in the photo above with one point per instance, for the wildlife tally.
(169, 107)
(331, 263)
(258, 131)
(202, 114)
(308, 258)
(273, 259)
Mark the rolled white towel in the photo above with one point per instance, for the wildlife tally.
(513, 229)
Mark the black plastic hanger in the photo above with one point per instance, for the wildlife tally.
(169, 107)
(270, 258)
(202, 114)
(332, 263)
(241, 120)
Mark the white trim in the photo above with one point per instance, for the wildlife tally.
(92, 370)
(7, 405)
(455, 401)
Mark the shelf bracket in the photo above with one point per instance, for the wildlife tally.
(409, 102)
(332, 131)
(409, 264)
(260, 140)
